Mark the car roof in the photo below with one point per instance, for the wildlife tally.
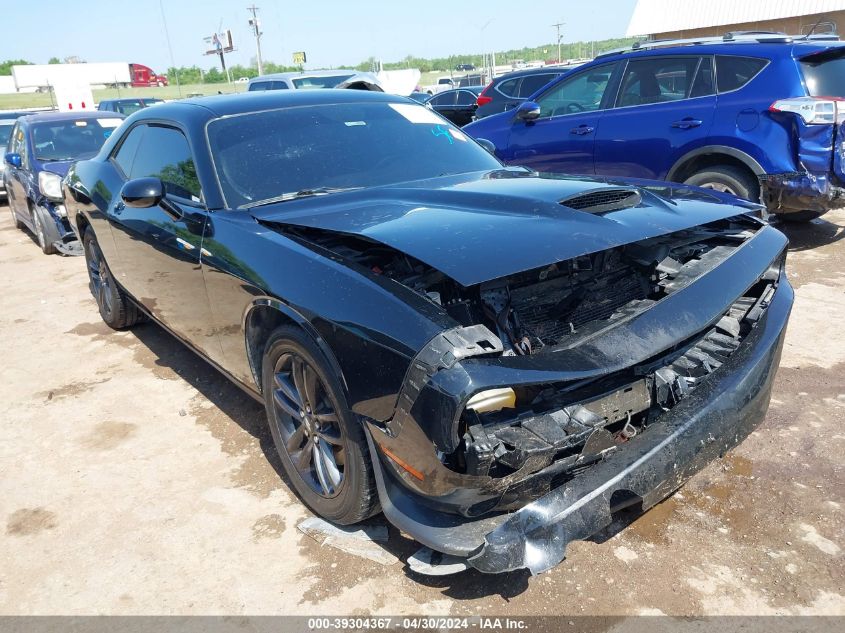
(541, 70)
(126, 99)
(14, 114)
(69, 116)
(751, 48)
(245, 102)
(306, 73)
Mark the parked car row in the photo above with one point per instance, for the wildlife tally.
(495, 358)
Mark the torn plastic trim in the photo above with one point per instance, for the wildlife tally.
(442, 352)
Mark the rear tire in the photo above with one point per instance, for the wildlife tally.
(116, 308)
(319, 440)
(727, 179)
(800, 216)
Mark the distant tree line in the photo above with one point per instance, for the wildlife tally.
(547, 52)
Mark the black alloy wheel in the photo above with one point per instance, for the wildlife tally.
(309, 425)
(320, 442)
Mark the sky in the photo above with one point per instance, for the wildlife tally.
(331, 32)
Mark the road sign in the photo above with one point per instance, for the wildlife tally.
(219, 43)
(299, 58)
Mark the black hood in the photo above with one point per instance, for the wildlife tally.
(487, 227)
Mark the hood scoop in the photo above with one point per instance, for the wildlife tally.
(603, 200)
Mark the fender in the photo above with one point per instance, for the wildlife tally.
(741, 156)
(301, 321)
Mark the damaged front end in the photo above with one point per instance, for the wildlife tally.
(568, 392)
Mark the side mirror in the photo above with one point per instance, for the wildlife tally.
(142, 193)
(13, 158)
(528, 111)
(487, 144)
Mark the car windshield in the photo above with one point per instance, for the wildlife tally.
(6, 126)
(264, 155)
(129, 107)
(303, 83)
(71, 139)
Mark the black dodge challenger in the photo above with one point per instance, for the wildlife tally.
(498, 361)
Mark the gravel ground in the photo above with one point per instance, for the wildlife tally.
(136, 480)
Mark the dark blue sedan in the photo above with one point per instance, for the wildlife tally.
(39, 151)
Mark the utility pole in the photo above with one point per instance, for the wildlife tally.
(256, 30)
(557, 26)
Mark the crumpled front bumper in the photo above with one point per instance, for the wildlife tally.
(717, 416)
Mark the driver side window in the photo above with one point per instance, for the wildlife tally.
(582, 92)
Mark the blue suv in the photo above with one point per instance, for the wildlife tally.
(755, 115)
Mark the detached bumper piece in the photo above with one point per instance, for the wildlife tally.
(69, 246)
(800, 191)
(701, 420)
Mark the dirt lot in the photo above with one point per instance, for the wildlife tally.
(136, 480)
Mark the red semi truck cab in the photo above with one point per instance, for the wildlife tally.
(143, 76)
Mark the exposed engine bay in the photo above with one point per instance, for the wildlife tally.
(543, 435)
(562, 303)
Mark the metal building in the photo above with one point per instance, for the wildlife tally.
(661, 19)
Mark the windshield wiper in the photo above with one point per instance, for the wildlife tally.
(294, 195)
(53, 160)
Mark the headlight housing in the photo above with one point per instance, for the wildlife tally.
(50, 185)
(492, 400)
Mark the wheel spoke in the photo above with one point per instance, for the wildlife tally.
(330, 435)
(284, 403)
(302, 382)
(329, 417)
(309, 380)
(329, 465)
(285, 386)
(322, 469)
(295, 439)
(306, 455)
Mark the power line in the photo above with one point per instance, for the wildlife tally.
(169, 47)
(256, 30)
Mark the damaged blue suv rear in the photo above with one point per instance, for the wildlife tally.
(755, 115)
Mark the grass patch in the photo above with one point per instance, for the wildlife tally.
(20, 100)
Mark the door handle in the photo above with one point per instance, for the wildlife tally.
(687, 123)
(582, 129)
(119, 207)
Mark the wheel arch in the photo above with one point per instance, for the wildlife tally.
(266, 314)
(710, 156)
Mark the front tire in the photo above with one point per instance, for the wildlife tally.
(18, 224)
(727, 179)
(320, 442)
(46, 247)
(116, 308)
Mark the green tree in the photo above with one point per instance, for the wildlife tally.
(6, 66)
(54, 60)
